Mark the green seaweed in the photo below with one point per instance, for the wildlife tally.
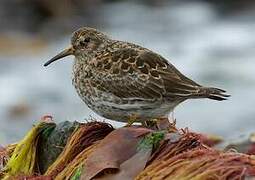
(23, 159)
(151, 141)
(77, 173)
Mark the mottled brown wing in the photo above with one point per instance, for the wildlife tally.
(142, 75)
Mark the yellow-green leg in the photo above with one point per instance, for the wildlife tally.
(149, 123)
(161, 123)
(133, 118)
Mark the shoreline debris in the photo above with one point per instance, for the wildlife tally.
(95, 150)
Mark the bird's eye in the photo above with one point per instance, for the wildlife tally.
(84, 42)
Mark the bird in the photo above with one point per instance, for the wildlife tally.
(126, 82)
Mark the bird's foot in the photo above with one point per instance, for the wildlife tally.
(166, 124)
(149, 123)
(133, 118)
(159, 124)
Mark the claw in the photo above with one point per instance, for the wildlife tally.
(133, 118)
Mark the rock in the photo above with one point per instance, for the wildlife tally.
(53, 144)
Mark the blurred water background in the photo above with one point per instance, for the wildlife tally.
(212, 42)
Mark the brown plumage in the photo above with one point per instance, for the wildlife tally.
(119, 79)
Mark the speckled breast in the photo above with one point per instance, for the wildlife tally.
(81, 81)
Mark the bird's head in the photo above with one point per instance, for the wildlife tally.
(84, 43)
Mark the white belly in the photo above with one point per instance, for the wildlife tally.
(142, 111)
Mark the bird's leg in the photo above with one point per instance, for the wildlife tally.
(144, 124)
(132, 119)
(171, 116)
(151, 123)
(166, 123)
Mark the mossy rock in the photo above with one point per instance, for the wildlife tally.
(52, 144)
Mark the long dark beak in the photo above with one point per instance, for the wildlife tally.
(66, 52)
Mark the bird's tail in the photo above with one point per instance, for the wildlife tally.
(212, 93)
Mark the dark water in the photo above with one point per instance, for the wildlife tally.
(211, 50)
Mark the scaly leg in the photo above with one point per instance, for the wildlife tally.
(132, 119)
(150, 123)
(171, 116)
(166, 122)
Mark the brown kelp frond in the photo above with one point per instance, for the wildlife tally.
(34, 177)
(83, 137)
(200, 163)
(115, 148)
(175, 144)
(5, 154)
(76, 164)
(96, 150)
(23, 159)
(3, 159)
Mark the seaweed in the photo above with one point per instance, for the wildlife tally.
(52, 144)
(23, 158)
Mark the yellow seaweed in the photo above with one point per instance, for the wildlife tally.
(23, 159)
